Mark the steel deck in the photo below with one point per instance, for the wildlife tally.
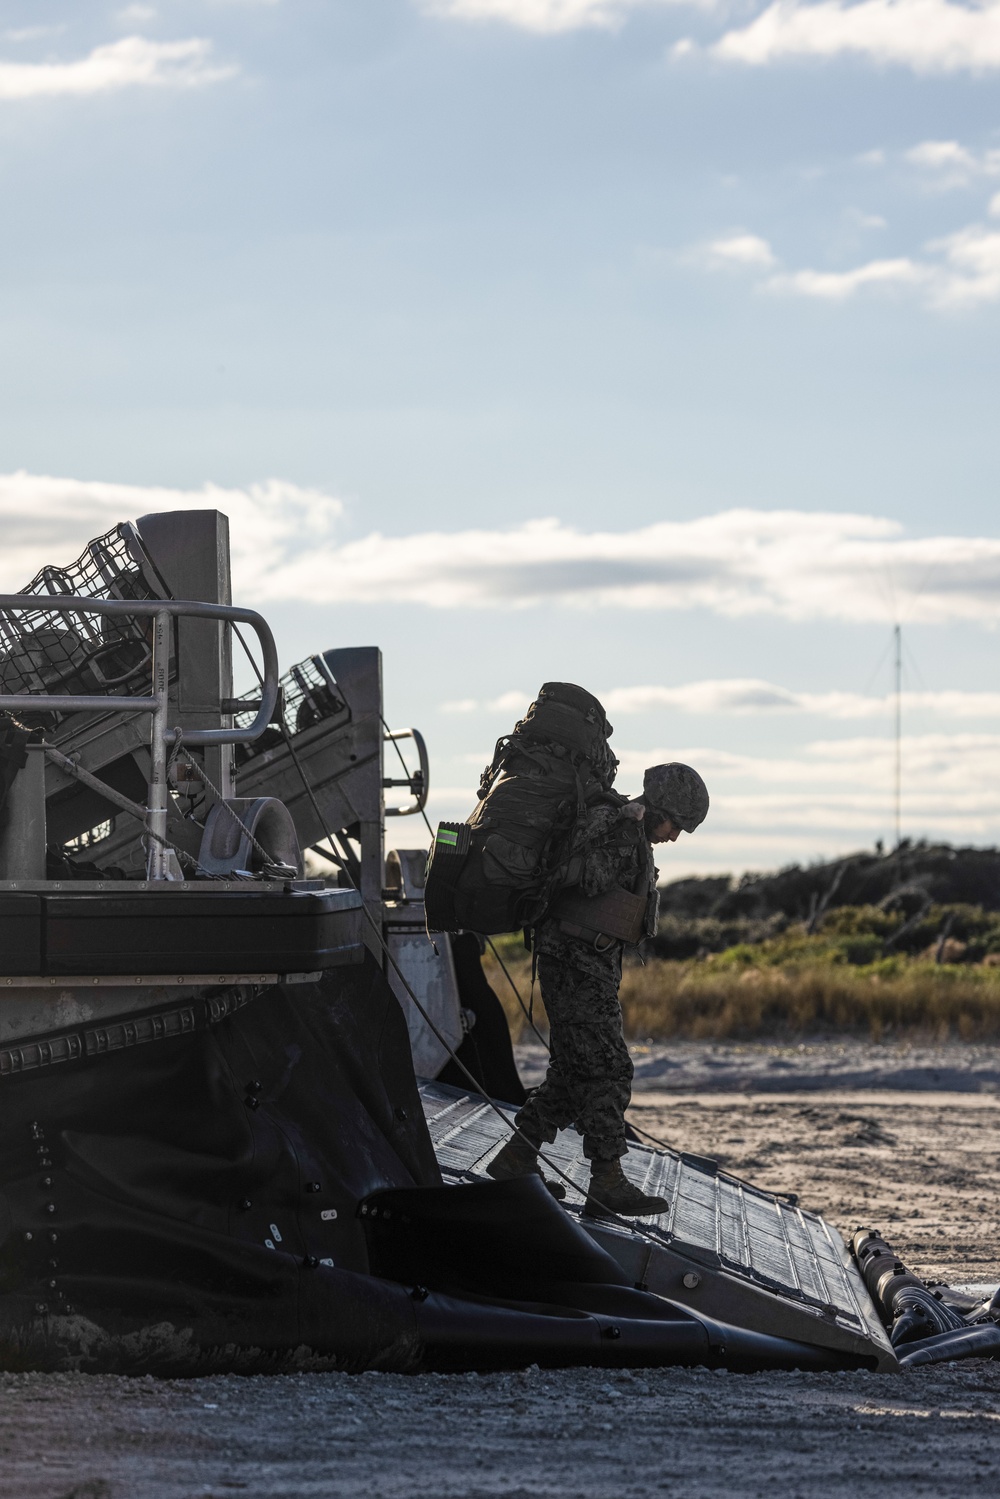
(754, 1259)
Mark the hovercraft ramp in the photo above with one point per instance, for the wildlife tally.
(724, 1247)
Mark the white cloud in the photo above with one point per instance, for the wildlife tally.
(287, 544)
(973, 275)
(831, 798)
(939, 156)
(964, 765)
(949, 164)
(511, 702)
(739, 562)
(928, 36)
(740, 250)
(132, 61)
(949, 783)
(137, 13)
(965, 272)
(507, 702)
(958, 270)
(31, 33)
(47, 520)
(546, 17)
(746, 695)
(837, 286)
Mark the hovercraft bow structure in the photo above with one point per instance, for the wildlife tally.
(215, 1153)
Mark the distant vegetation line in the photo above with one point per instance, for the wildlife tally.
(797, 953)
(738, 999)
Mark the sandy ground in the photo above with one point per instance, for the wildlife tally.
(804, 1066)
(919, 1165)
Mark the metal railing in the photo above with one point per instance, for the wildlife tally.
(161, 611)
(417, 782)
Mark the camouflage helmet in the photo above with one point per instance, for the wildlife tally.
(678, 792)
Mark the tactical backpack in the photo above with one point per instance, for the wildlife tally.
(500, 869)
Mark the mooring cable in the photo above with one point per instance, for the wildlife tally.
(517, 995)
(660, 1144)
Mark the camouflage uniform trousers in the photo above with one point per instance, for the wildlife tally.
(589, 1079)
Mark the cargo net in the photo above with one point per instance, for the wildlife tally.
(308, 695)
(45, 651)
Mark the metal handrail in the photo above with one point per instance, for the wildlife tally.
(418, 783)
(161, 611)
(169, 608)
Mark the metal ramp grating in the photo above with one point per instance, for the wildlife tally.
(749, 1233)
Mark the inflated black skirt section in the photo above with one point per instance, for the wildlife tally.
(262, 1195)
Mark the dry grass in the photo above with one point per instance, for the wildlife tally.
(518, 965)
(710, 1000)
(689, 999)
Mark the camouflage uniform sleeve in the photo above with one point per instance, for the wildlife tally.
(616, 860)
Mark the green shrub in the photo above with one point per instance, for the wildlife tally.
(837, 981)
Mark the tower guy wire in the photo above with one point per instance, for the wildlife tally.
(898, 715)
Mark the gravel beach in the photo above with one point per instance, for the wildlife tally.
(848, 1129)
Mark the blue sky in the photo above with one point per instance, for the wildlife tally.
(649, 345)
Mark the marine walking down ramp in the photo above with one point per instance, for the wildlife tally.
(259, 1120)
(588, 1084)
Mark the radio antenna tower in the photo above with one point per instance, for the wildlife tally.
(898, 762)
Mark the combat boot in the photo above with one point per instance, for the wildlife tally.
(611, 1192)
(517, 1158)
(520, 1158)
